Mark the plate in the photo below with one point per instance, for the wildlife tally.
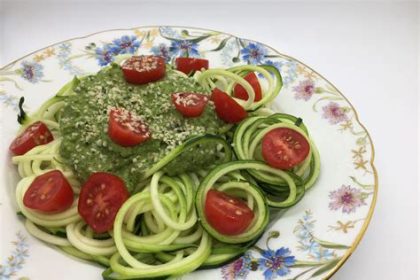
(317, 235)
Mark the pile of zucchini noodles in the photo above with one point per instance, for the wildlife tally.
(162, 230)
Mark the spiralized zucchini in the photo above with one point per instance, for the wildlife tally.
(162, 230)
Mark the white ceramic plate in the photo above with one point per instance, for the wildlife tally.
(320, 232)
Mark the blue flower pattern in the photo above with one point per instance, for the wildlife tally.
(169, 32)
(277, 64)
(31, 71)
(161, 50)
(105, 55)
(276, 263)
(254, 53)
(290, 74)
(64, 51)
(126, 44)
(307, 242)
(184, 48)
(9, 100)
(16, 260)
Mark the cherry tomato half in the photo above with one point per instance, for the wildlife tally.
(34, 135)
(144, 69)
(49, 192)
(227, 108)
(240, 92)
(101, 196)
(284, 148)
(227, 214)
(126, 129)
(189, 64)
(189, 104)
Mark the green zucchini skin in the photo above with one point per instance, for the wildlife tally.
(262, 217)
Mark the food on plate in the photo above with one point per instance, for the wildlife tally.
(154, 170)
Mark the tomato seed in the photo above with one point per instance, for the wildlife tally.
(238, 212)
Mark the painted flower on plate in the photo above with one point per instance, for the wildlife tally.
(290, 73)
(276, 263)
(305, 226)
(65, 47)
(315, 250)
(169, 32)
(126, 44)
(105, 55)
(238, 269)
(161, 50)
(277, 64)
(254, 53)
(17, 259)
(304, 90)
(346, 198)
(31, 71)
(184, 48)
(334, 113)
(323, 254)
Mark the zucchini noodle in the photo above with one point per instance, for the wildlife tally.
(162, 230)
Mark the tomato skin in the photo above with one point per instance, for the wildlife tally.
(125, 129)
(189, 104)
(284, 148)
(144, 69)
(34, 135)
(227, 214)
(49, 193)
(227, 108)
(189, 64)
(240, 92)
(101, 196)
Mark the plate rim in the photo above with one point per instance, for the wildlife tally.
(369, 216)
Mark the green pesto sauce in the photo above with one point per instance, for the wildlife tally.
(84, 125)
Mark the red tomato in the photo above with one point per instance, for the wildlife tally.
(34, 135)
(49, 192)
(188, 64)
(284, 148)
(100, 198)
(240, 92)
(144, 69)
(189, 104)
(126, 129)
(226, 214)
(227, 108)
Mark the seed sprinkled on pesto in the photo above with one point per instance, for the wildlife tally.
(87, 147)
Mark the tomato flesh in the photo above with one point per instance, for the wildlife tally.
(126, 129)
(227, 108)
(189, 104)
(101, 196)
(49, 192)
(284, 148)
(240, 92)
(227, 214)
(189, 64)
(34, 135)
(144, 69)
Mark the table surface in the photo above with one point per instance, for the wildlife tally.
(369, 50)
